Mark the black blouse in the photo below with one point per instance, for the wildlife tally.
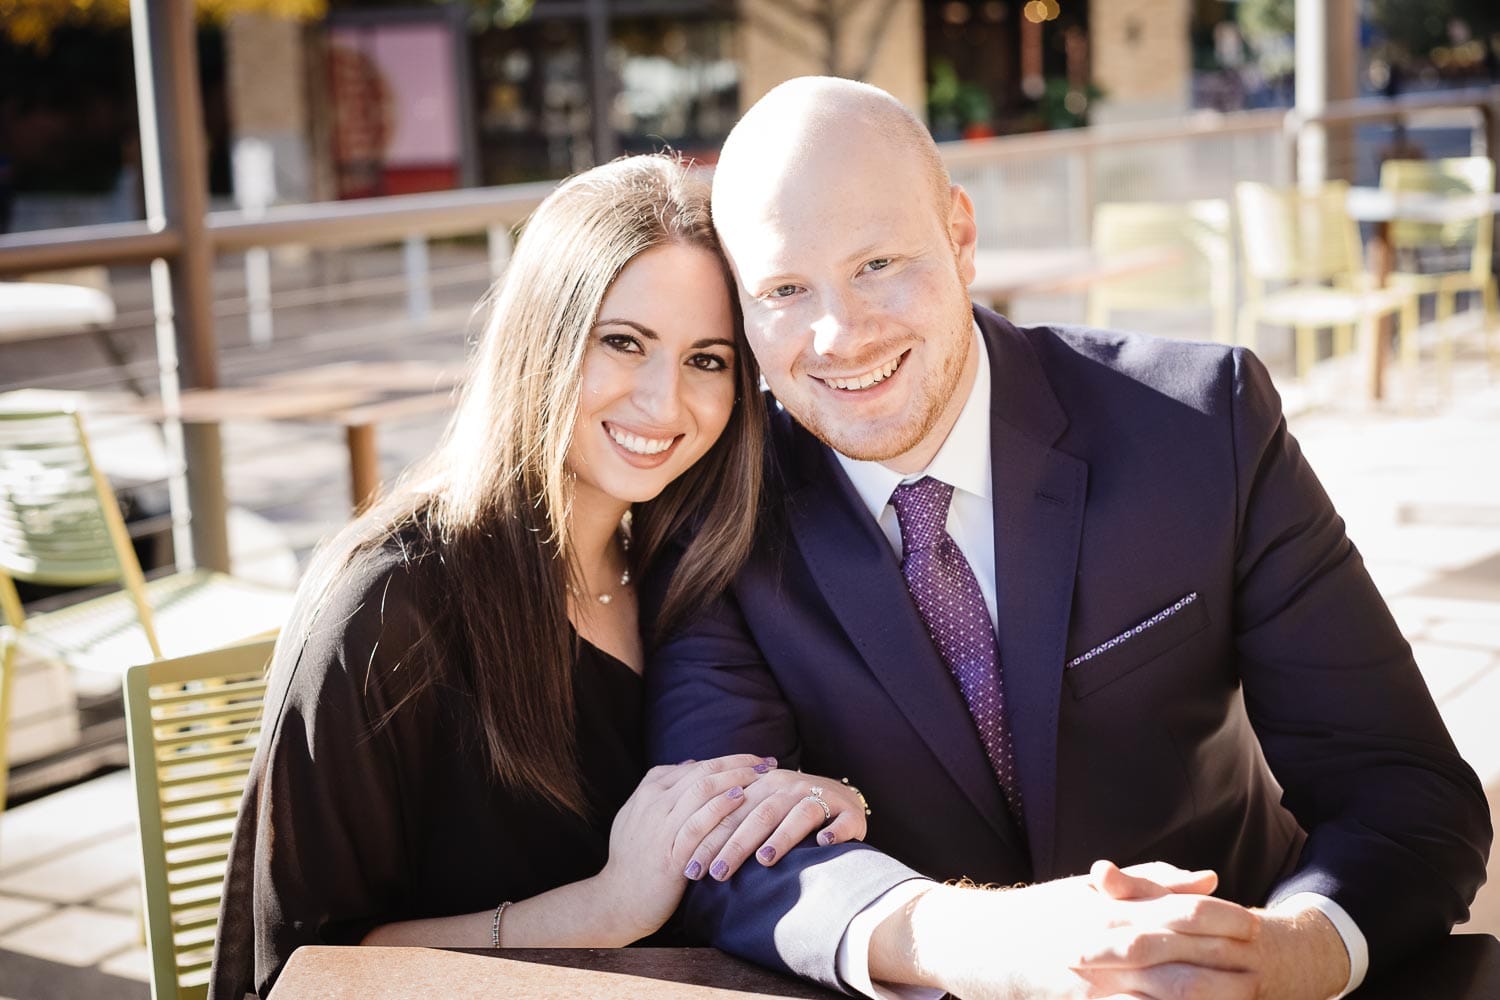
(350, 822)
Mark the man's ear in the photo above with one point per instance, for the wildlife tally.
(963, 232)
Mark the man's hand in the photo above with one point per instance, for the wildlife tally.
(1151, 931)
(1298, 953)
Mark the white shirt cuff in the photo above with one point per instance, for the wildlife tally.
(853, 959)
(1354, 938)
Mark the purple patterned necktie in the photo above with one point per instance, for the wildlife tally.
(952, 606)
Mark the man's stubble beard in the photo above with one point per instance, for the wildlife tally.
(937, 388)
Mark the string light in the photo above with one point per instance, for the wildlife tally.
(1038, 11)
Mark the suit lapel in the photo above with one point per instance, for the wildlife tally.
(858, 575)
(1039, 496)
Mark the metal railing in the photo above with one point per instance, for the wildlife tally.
(1032, 190)
(1041, 190)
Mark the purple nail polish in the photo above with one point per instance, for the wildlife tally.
(719, 870)
(825, 838)
(766, 854)
(736, 792)
(770, 761)
(694, 870)
(761, 768)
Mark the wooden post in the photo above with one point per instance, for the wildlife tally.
(1378, 330)
(364, 465)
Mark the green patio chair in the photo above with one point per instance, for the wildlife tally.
(7, 689)
(1203, 277)
(1303, 267)
(60, 525)
(193, 723)
(1471, 240)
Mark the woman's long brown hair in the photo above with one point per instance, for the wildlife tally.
(490, 508)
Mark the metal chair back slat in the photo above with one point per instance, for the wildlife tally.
(54, 525)
(1460, 175)
(193, 725)
(1203, 275)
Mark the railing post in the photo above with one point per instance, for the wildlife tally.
(1081, 180)
(254, 164)
(1286, 164)
(175, 175)
(501, 247)
(418, 283)
(258, 296)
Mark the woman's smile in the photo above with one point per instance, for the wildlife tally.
(644, 451)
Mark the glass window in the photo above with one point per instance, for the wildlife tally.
(677, 84)
(532, 102)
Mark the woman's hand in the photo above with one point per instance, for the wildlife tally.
(777, 813)
(655, 835)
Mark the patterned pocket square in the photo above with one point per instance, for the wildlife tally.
(1136, 646)
(1131, 633)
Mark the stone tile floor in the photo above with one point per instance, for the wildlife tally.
(1419, 487)
(70, 922)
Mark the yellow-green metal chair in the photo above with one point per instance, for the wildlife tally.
(1469, 242)
(7, 690)
(193, 723)
(60, 525)
(1202, 277)
(1303, 267)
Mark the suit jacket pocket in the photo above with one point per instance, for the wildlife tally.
(1136, 646)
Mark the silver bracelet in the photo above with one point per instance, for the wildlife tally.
(495, 925)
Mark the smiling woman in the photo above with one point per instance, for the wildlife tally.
(658, 376)
(453, 752)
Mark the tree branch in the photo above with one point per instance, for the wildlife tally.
(876, 38)
(802, 11)
(781, 35)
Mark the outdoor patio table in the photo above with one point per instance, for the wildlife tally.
(1461, 967)
(40, 308)
(358, 396)
(1001, 276)
(321, 972)
(1382, 207)
(35, 310)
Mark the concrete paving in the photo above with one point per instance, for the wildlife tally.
(1417, 480)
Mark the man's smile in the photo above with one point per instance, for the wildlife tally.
(865, 380)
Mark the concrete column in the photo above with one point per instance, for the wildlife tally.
(1327, 60)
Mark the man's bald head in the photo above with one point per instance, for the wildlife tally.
(852, 253)
(810, 119)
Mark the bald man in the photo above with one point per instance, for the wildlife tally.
(1059, 600)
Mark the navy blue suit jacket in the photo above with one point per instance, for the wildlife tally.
(1274, 728)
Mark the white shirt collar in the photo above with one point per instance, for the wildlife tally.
(963, 461)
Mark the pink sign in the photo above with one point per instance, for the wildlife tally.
(395, 108)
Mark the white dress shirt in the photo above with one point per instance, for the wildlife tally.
(964, 462)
